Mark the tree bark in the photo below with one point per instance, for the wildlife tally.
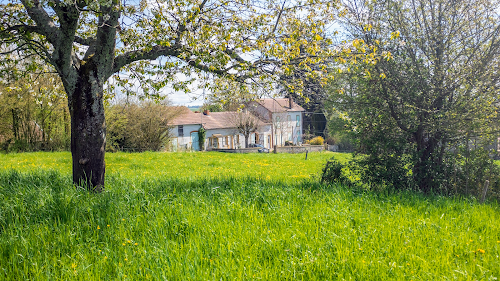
(246, 140)
(88, 132)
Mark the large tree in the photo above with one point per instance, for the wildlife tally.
(429, 81)
(87, 42)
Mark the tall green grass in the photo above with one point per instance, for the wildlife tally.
(244, 228)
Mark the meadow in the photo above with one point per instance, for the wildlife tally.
(213, 216)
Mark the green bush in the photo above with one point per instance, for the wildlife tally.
(333, 173)
(139, 127)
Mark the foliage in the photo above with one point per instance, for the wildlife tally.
(430, 84)
(332, 172)
(33, 115)
(202, 135)
(163, 226)
(139, 127)
(317, 140)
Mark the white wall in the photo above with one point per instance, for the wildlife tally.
(183, 143)
(287, 130)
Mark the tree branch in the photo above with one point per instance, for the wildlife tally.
(45, 25)
(137, 55)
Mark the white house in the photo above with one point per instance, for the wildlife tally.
(279, 120)
(284, 116)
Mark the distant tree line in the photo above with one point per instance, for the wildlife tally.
(34, 115)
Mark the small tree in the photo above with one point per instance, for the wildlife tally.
(201, 136)
(140, 127)
(245, 123)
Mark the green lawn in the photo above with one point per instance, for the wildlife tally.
(211, 216)
(284, 167)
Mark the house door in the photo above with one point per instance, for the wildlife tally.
(195, 141)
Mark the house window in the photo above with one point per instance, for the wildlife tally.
(227, 141)
(298, 120)
(278, 121)
(289, 119)
(180, 131)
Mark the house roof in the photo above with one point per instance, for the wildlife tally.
(280, 105)
(186, 117)
(227, 119)
(219, 120)
(213, 120)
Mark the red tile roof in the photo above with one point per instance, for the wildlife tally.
(279, 105)
(214, 120)
(226, 120)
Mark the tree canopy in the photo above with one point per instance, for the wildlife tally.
(428, 84)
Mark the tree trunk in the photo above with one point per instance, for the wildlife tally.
(246, 140)
(428, 163)
(88, 132)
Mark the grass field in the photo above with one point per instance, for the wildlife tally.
(210, 216)
(283, 167)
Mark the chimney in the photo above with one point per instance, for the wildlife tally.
(206, 112)
(290, 102)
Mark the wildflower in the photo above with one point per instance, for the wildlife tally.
(108, 225)
(105, 257)
(98, 227)
(481, 251)
(123, 244)
(135, 244)
(73, 265)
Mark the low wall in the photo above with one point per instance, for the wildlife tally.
(237, 150)
(281, 149)
(300, 149)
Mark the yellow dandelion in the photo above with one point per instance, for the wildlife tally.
(135, 244)
(123, 244)
(73, 265)
(481, 251)
(98, 227)
(128, 241)
(106, 257)
(108, 225)
(126, 259)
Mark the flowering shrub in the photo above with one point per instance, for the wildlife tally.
(317, 141)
